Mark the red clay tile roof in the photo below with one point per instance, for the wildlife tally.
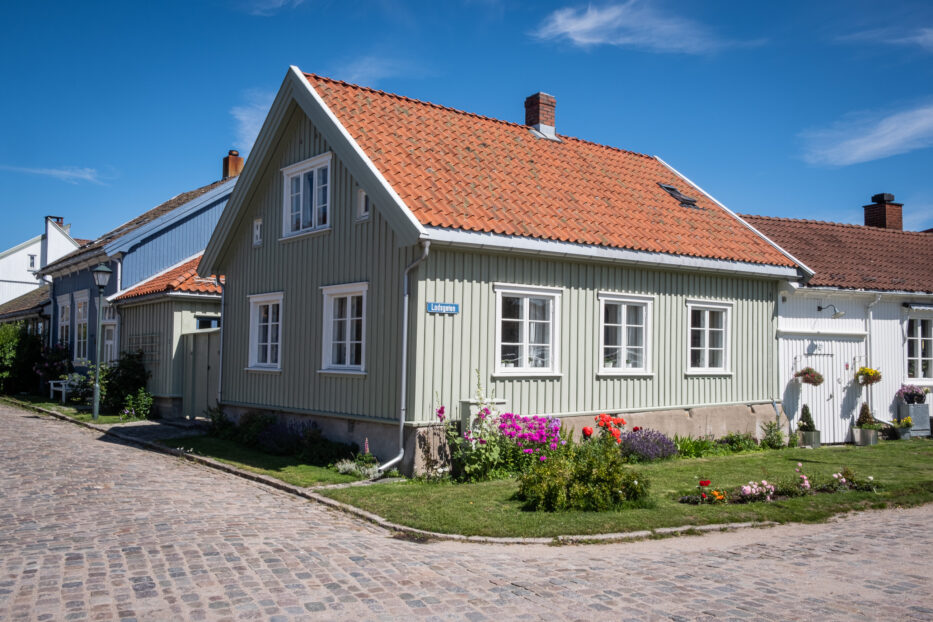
(460, 170)
(183, 278)
(136, 223)
(855, 256)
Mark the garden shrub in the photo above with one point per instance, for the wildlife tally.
(220, 426)
(138, 405)
(773, 437)
(591, 476)
(251, 425)
(643, 445)
(122, 379)
(20, 352)
(806, 420)
(690, 447)
(316, 450)
(9, 341)
(54, 362)
(737, 442)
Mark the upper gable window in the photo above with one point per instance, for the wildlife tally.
(257, 232)
(364, 205)
(32, 262)
(306, 204)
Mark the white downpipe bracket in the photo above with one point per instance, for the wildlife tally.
(403, 399)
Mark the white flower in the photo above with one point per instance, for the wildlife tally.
(870, 478)
(636, 483)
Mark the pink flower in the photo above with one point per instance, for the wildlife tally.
(542, 458)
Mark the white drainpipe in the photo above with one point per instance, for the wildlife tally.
(220, 362)
(868, 323)
(403, 401)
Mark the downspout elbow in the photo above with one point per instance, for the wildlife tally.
(403, 397)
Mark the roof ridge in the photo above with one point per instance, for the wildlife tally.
(810, 221)
(466, 113)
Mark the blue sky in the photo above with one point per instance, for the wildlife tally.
(788, 109)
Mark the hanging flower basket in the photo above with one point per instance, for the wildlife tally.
(866, 376)
(808, 375)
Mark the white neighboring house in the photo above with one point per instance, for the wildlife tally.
(18, 265)
(870, 303)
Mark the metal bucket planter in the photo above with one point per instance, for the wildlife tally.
(902, 433)
(863, 437)
(808, 439)
(919, 414)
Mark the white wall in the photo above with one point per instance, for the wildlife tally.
(837, 348)
(16, 278)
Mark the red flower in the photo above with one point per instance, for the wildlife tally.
(587, 431)
(704, 482)
(703, 494)
(636, 429)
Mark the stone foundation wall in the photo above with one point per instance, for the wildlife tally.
(715, 421)
(167, 407)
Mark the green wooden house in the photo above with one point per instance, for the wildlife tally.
(385, 255)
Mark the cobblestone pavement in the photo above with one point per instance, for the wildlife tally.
(94, 530)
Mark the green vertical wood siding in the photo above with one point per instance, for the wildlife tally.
(449, 348)
(350, 252)
(167, 318)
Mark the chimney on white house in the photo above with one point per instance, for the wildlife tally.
(233, 164)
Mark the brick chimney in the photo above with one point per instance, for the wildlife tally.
(539, 113)
(884, 212)
(233, 164)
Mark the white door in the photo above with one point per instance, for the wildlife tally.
(109, 353)
(835, 403)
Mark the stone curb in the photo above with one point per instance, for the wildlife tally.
(420, 534)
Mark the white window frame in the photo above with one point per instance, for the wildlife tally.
(255, 301)
(529, 291)
(82, 297)
(32, 262)
(915, 379)
(364, 205)
(299, 169)
(64, 320)
(647, 304)
(330, 292)
(105, 323)
(257, 232)
(710, 305)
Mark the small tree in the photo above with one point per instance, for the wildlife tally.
(806, 420)
(9, 342)
(865, 419)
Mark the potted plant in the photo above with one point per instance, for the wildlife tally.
(807, 434)
(808, 375)
(866, 428)
(902, 427)
(866, 376)
(912, 404)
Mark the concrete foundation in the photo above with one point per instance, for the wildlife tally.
(167, 408)
(714, 421)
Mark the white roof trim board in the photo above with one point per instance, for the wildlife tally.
(519, 244)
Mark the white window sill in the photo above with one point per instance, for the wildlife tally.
(526, 373)
(264, 370)
(305, 234)
(611, 373)
(708, 372)
(360, 219)
(342, 372)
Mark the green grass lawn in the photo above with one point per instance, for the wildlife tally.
(903, 469)
(289, 469)
(66, 409)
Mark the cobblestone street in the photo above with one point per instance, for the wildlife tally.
(94, 530)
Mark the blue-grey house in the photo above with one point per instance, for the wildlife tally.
(138, 252)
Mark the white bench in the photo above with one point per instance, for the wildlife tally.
(63, 386)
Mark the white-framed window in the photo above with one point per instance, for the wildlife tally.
(344, 343)
(625, 334)
(708, 336)
(257, 232)
(109, 345)
(64, 320)
(307, 196)
(364, 205)
(920, 348)
(527, 327)
(81, 321)
(265, 331)
(32, 262)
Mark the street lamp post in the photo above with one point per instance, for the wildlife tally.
(101, 278)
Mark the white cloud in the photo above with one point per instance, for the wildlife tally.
(863, 138)
(249, 117)
(267, 7)
(920, 37)
(70, 174)
(369, 70)
(631, 24)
